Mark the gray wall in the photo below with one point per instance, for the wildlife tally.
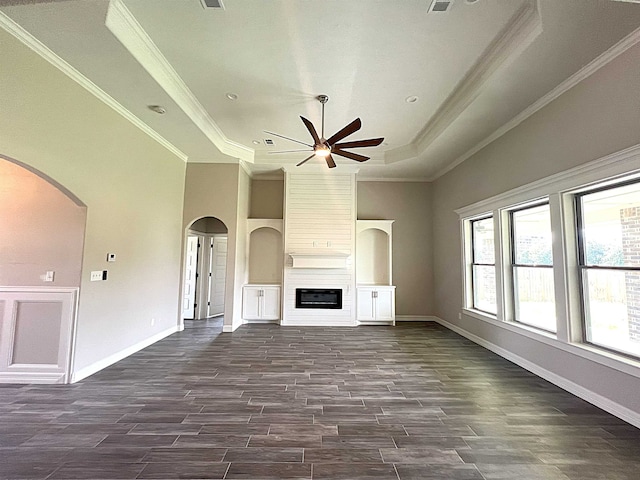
(599, 116)
(409, 204)
(131, 185)
(267, 198)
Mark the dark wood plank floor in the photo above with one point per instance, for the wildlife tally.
(411, 402)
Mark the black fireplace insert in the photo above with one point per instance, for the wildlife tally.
(319, 298)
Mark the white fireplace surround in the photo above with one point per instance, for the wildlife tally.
(323, 259)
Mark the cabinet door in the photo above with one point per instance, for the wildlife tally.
(251, 303)
(271, 303)
(385, 309)
(365, 304)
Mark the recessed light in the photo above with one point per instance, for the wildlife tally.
(232, 96)
(159, 109)
(256, 142)
(411, 99)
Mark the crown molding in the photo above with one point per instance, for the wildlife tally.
(393, 179)
(523, 28)
(7, 24)
(585, 72)
(124, 26)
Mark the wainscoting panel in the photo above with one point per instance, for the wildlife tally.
(36, 334)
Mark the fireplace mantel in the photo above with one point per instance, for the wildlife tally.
(320, 259)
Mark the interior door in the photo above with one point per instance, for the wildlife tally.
(190, 277)
(218, 276)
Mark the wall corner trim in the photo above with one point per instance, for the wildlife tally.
(95, 367)
(598, 400)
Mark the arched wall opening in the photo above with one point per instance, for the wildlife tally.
(205, 269)
(42, 229)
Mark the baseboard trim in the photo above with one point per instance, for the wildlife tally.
(596, 399)
(230, 328)
(116, 357)
(415, 318)
(35, 378)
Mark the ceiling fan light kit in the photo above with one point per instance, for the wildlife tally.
(324, 148)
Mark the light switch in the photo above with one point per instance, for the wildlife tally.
(48, 277)
(96, 276)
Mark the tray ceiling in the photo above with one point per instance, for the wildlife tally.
(475, 69)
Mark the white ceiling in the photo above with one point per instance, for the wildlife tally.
(475, 69)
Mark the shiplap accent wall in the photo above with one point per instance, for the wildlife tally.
(320, 218)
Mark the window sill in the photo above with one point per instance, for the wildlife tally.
(588, 352)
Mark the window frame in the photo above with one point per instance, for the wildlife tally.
(581, 263)
(513, 264)
(473, 263)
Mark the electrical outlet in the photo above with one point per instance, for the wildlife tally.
(111, 257)
(96, 276)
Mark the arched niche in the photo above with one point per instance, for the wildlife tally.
(265, 255)
(373, 252)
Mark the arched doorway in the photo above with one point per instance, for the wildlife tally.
(205, 268)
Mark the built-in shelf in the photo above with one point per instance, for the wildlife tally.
(265, 250)
(375, 293)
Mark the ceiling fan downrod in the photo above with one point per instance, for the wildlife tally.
(322, 99)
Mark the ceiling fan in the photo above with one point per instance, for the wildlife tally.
(324, 148)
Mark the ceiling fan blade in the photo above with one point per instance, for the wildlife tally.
(350, 155)
(345, 132)
(312, 129)
(288, 151)
(330, 162)
(370, 142)
(306, 160)
(288, 138)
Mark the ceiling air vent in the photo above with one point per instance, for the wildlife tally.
(268, 141)
(212, 4)
(440, 6)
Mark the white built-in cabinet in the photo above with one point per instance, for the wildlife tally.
(376, 304)
(261, 302)
(376, 296)
(261, 296)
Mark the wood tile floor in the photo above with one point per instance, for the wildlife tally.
(411, 402)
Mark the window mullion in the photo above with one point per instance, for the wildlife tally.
(504, 273)
(560, 270)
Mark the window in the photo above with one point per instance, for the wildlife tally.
(509, 270)
(483, 266)
(609, 261)
(533, 292)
